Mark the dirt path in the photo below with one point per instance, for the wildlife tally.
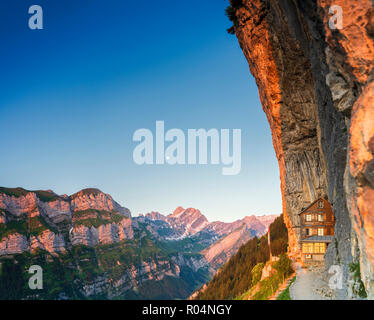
(309, 285)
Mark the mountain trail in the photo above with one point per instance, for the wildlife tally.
(309, 284)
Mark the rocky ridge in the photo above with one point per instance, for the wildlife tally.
(32, 223)
(190, 221)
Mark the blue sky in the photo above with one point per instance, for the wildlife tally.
(74, 93)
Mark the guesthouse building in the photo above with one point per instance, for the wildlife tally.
(317, 223)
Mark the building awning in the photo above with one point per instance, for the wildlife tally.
(318, 239)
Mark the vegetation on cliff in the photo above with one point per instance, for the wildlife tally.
(43, 195)
(27, 226)
(358, 287)
(96, 218)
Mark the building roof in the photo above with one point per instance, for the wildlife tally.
(303, 210)
(318, 239)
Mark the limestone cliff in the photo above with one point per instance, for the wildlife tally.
(44, 220)
(316, 88)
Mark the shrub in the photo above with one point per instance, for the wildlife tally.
(284, 266)
(257, 272)
(358, 286)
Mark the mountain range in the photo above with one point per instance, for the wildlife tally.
(89, 246)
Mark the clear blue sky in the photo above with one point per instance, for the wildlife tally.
(73, 94)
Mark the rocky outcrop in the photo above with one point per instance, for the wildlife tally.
(95, 199)
(19, 205)
(48, 241)
(57, 211)
(44, 219)
(189, 220)
(316, 88)
(194, 263)
(13, 244)
(103, 234)
(88, 236)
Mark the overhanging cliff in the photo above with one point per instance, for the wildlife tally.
(316, 88)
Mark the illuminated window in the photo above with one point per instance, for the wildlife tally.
(320, 217)
(308, 256)
(319, 247)
(320, 204)
(320, 231)
(307, 247)
(308, 217)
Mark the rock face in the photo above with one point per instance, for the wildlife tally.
(48, 241)
(91, 217)
(97, 200)
(316, 88)
(191, 220)
(13, 243)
